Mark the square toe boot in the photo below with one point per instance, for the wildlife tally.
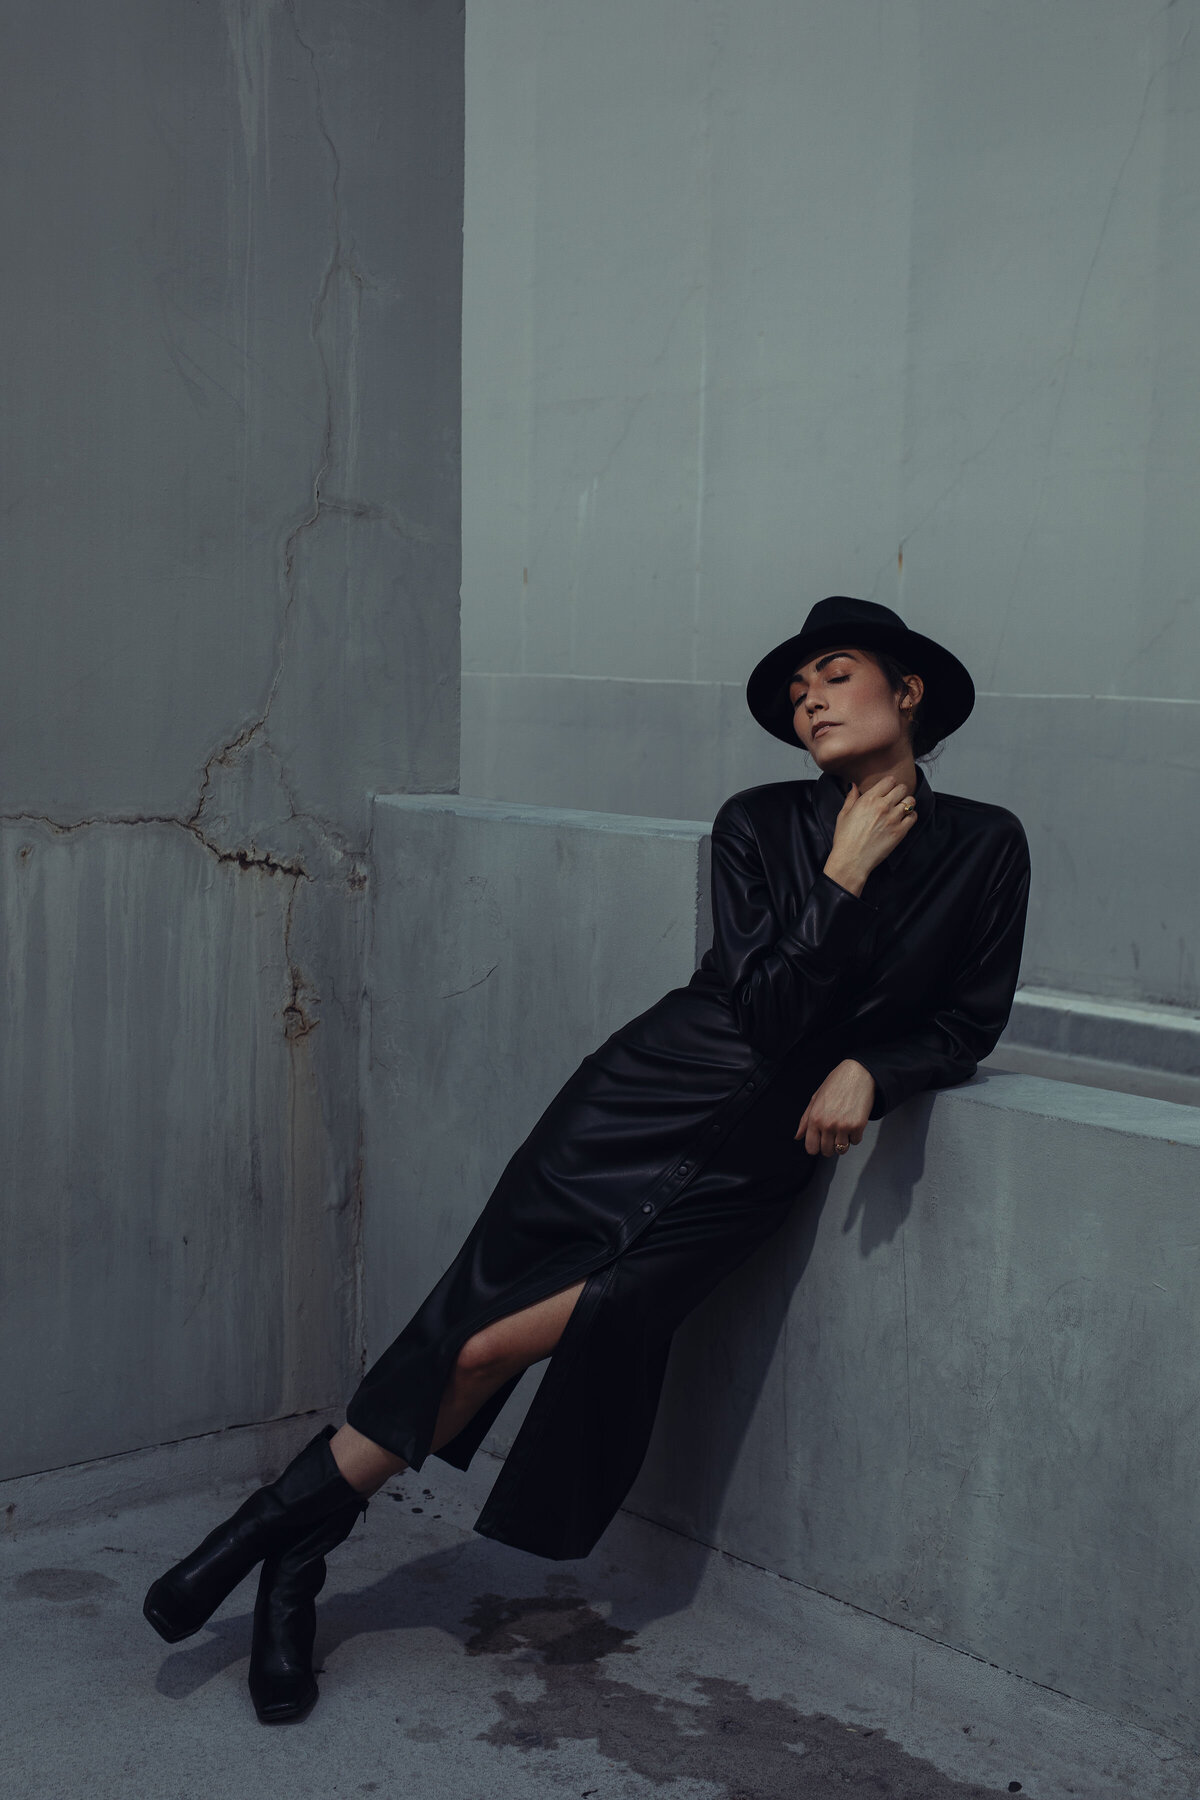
(309, 1490)
(282, 1684)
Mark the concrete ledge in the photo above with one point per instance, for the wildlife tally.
(543, 818)
(1117, 1031)
(1095, 1072)
(956, 1391)
(1032, 1097)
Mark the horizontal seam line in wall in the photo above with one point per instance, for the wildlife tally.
(193, 1437)
(680, 681)
(520, 812)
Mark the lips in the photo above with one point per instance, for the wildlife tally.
(825, 725)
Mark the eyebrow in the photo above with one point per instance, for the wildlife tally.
(832, 657)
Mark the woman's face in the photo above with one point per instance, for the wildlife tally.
(845, 709)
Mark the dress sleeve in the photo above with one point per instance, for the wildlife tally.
(782, 980)
(947, 1046)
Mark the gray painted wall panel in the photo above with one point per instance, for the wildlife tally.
(768, 303)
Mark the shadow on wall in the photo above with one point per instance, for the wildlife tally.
(720, 1363)
(883, 1193)
(724, 1355)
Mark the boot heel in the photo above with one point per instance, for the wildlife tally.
(282, 1684)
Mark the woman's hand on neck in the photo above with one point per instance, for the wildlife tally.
(876, 815)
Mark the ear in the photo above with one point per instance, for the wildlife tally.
(916, 690)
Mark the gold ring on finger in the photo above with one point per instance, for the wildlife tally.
(839, 1147)
(910, 806)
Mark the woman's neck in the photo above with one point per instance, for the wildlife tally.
(870, 770)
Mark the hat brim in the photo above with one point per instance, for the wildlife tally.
(949, 690)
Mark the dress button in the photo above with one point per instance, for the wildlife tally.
(750, 1086)
(683, 1168)
(646, 1206)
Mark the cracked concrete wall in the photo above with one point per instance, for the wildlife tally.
(768, 302)
(231, 469)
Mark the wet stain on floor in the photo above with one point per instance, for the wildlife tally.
(561, 1628)
(61, 1584)
(749, 1749)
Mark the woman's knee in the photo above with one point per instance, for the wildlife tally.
(512, 1344)
(483, 1358)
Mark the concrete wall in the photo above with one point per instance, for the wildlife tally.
(230, 443)
(956, 1391)
(769, 302)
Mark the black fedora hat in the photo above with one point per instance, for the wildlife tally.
(862, 625)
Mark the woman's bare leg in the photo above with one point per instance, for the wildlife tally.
(485, 1362)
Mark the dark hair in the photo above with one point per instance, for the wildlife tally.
(925, 742)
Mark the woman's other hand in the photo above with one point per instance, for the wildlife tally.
(868, 828)
(838, 1111)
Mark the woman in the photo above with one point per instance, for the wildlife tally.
(867, 939)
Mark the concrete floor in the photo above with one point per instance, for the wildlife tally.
(455, 1667)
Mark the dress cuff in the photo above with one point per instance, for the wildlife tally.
(881, 1105)
(833, 923)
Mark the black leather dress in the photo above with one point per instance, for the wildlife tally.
(670, 1153)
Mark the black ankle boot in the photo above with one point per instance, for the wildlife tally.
(282, 1683)
(310, 1488)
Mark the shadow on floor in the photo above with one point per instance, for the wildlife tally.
(444, 1591)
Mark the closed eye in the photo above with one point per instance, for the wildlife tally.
(799, 699)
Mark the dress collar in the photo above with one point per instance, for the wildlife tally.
(829, 796)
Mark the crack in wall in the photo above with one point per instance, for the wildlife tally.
(324, 836)
(338, 260)
(245, 857)
(299, 1013)
(340, 264)
(336, 351)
